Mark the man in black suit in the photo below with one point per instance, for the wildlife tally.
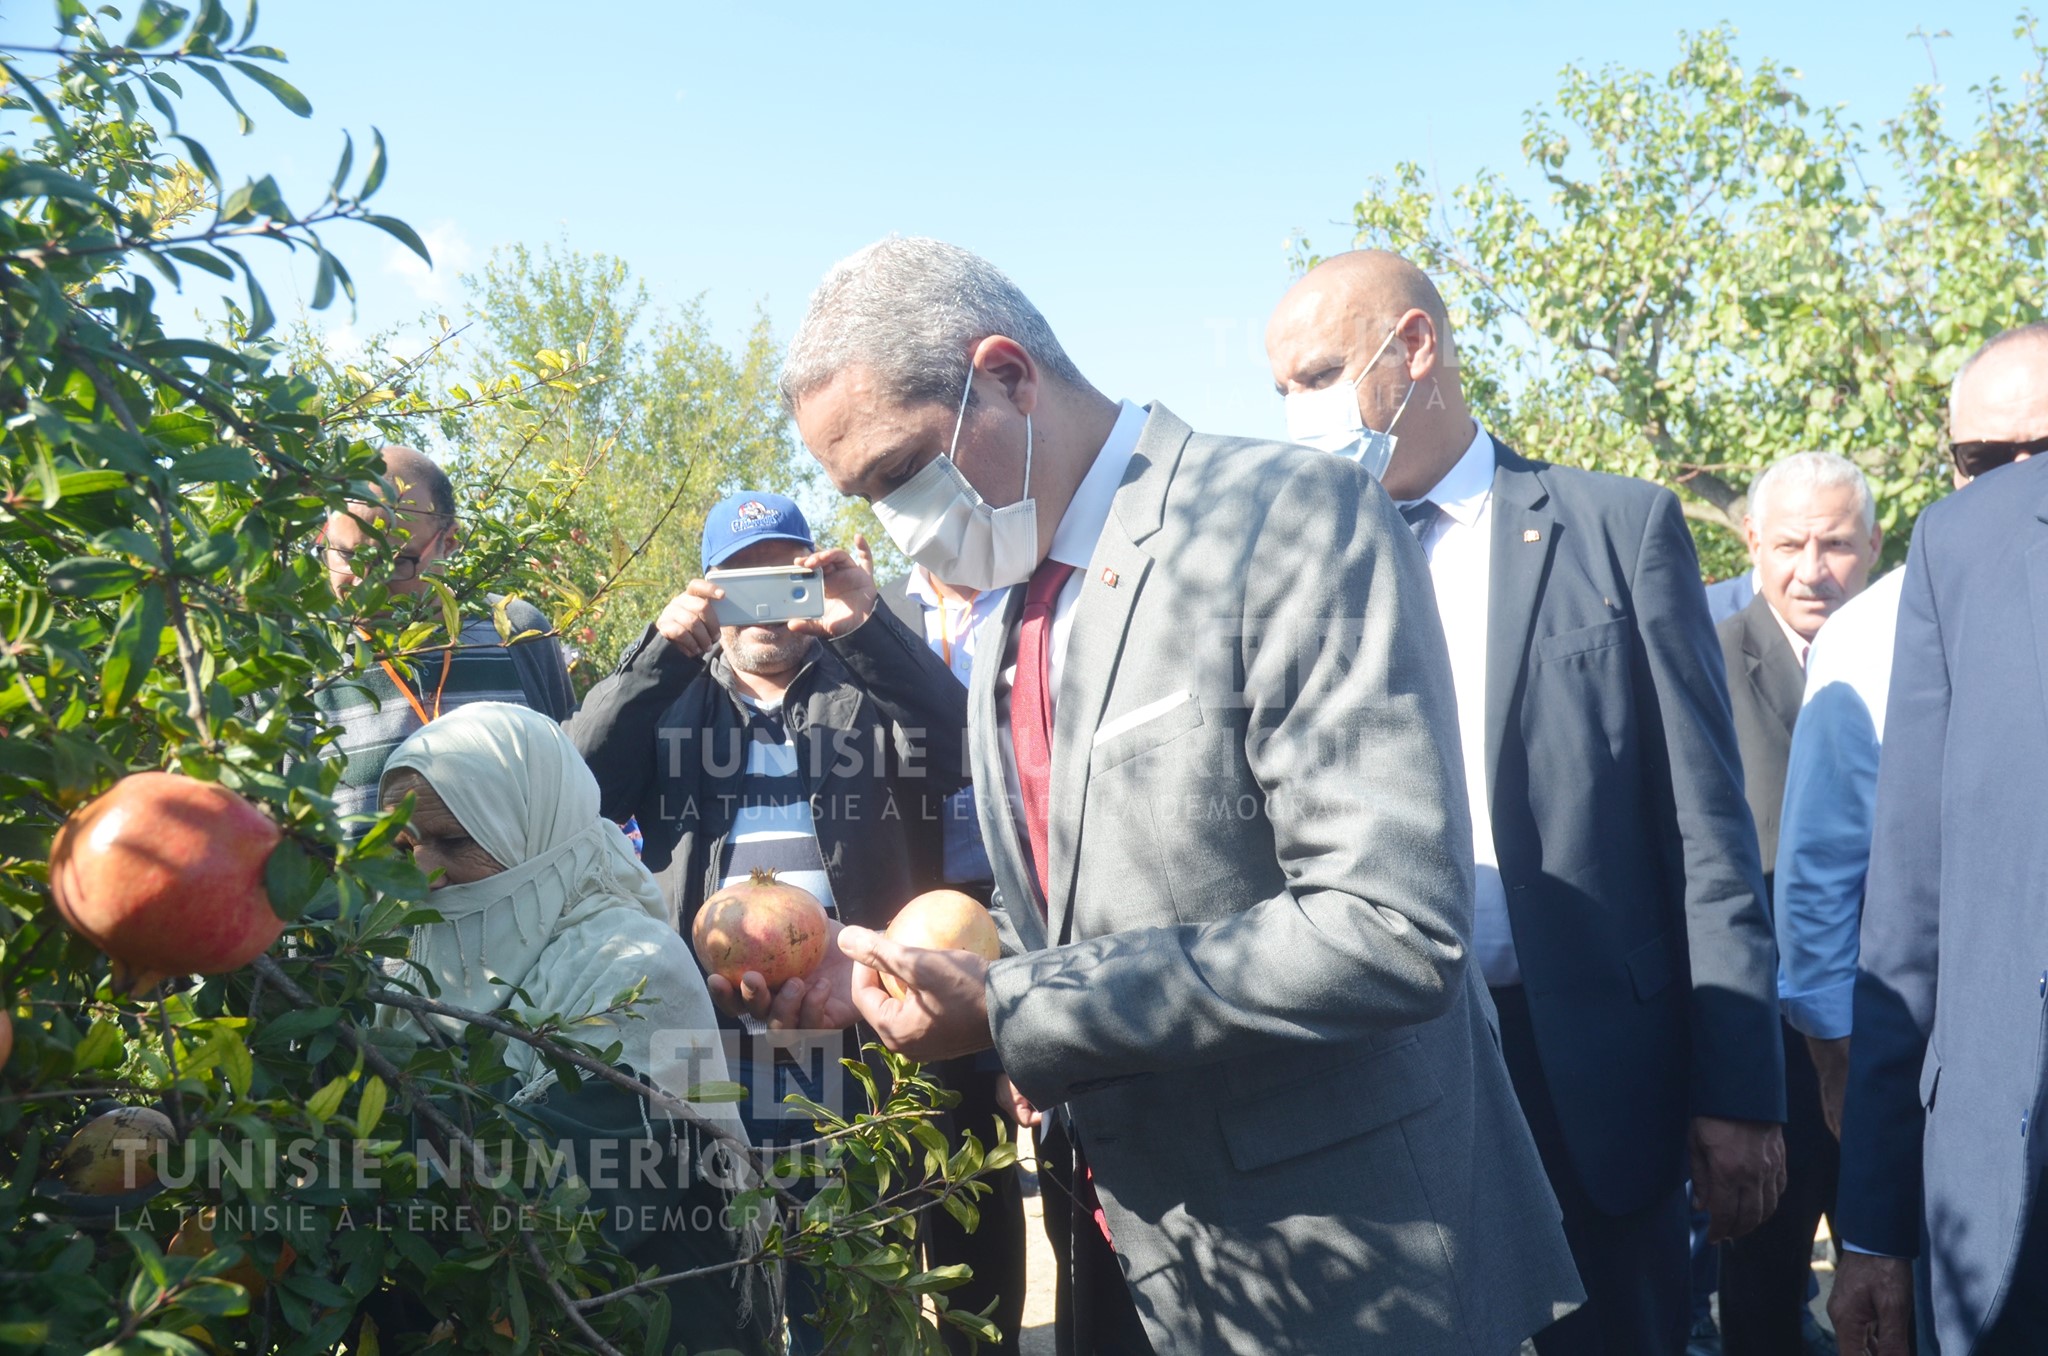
(1813, 536)
(1620, 917)
(1942, 1142)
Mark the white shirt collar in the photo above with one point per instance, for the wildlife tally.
(919, 585)
(1465, 488)
(1081, 525)
(1800, 645)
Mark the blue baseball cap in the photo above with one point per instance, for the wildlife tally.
(739, 520)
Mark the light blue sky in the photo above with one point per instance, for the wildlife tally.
(1135, 170)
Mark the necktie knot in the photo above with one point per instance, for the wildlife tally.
(1046, 582)
(1420, 517)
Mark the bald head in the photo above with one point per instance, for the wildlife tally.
(2000, 395)
(1375, 320)
(414, 523)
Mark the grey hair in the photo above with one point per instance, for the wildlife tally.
(911, 309)
(1814, 471)
(2037, 330)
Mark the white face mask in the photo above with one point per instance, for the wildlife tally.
(1328, 420)
(940, 520)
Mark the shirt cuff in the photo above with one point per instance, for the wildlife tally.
(1824, 1014)
(1847, 1246)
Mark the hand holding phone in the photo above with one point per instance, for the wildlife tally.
(759, 597)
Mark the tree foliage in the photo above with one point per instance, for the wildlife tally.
(1723, 273)
(160, 609)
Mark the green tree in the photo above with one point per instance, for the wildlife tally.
(1714, 280)
(673, 421)
(159, 609)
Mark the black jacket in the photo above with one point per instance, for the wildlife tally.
(880, 729)
(1765, 686)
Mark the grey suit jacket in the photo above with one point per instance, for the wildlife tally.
(1250, 985)
(1765, 685)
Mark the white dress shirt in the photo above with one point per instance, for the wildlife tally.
(1459, 545)
(1830, 801)
(1073, 543)
(1801, 646)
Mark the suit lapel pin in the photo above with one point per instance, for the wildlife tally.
(1531, 534)
(1109, 576)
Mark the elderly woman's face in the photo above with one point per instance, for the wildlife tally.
(435, 838)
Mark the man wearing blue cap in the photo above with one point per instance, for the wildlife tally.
(821, 748)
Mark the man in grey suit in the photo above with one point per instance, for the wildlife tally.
(1813, 533)
(1619, 915)
(1232, 873)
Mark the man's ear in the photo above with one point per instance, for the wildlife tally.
(1418, 335)
(1011, 364)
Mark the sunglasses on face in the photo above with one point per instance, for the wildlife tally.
(1974, 459)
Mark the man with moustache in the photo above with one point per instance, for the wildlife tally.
(822, 749)
(1620, 922)
(1813, 536)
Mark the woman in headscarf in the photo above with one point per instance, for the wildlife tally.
(537, 893)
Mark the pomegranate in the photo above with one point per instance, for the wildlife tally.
(195, 1239)
(6, 1037)
(164, 873)
(943, 920)
(116, 1152)
(761, 924)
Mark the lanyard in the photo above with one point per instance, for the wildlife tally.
(391, 672)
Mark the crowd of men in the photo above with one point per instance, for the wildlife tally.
(1425, 927)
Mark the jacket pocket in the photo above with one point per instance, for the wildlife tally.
(1651, 967)
(1584, 640)
(1329, 1108)
(1124, 737)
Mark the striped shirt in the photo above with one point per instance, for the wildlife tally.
(772, 827)
(375, 716)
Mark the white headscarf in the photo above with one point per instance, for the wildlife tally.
(573, 920)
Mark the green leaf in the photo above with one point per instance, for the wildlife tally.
(216, 553)
(213, 77)
(237, 1064)
(185, 254)
(370, 1109)
(451, 611)
(91, 577)
(156, 23)
(324, 1103)
(373, 177)
(291, 878)
(24, 180)
(214, 1298)
(201, 158)
(403, 234)
(71, 483)
(132, 651)
(101, 1048)
(260, 318)
(220, 462)
(348, 156)
(280, 88)
(298, 1024)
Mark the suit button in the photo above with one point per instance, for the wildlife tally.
(2044, 984)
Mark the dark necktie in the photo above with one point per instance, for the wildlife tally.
(1420, 517)
(1031, 710)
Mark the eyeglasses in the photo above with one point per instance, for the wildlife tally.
(1974, 459)
(342, 559)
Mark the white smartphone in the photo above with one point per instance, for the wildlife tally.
(775, 593)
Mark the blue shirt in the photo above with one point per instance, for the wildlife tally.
(1830, 800)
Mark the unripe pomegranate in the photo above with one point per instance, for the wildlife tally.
(6, 1036)
(164, 873)
(943, 920)
(761, 924)
(116, 1152)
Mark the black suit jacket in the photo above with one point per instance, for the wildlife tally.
(1765, 685)
(1946, 1071)
(1633, 886)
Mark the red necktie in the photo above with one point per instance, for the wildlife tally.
(1031, 741)
(1031, 711)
